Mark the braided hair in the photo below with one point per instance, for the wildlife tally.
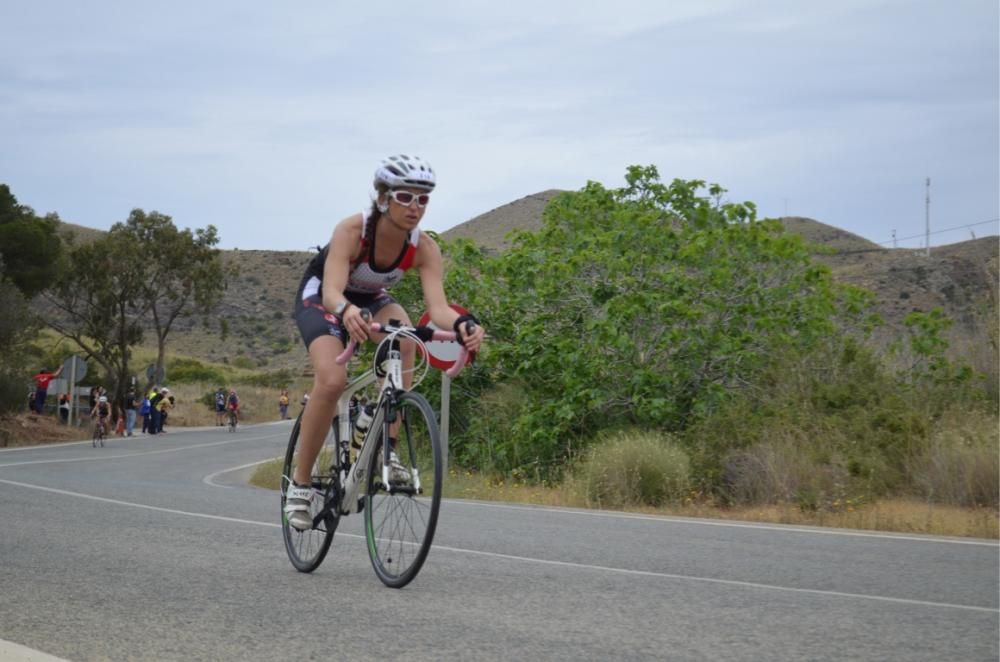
(373, 218)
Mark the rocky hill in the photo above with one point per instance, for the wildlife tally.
(961, 279)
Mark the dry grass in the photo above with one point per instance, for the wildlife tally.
(32, 430)
(897, 515)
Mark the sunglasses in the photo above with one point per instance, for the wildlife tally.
(406, 198)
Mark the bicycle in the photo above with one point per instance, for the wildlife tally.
(232, 420)
(400, 507)
(99, 434)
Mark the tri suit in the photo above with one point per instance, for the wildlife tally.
(366, 286)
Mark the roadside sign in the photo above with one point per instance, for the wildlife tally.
(74, 368)
(443, 355)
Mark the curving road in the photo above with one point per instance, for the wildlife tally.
(155, 548)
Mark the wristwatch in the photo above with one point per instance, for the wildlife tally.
(340, 309)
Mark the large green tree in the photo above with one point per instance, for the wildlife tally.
(184, 274)
(99, 305)
(145, 273)
(29, 245)
(644, 305)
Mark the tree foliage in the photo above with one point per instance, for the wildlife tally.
(144, 272)
(645, 305)
(184, 274)
(17, 326)
(29, 245)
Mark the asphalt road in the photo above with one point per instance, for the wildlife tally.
(155, 548)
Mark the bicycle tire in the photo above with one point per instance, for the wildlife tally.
(399, 523)
(307, 549)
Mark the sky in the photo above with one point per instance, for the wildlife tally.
(267, 119)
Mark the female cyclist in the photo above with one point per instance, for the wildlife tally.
(368, 253)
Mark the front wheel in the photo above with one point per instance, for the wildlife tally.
(401, 513)
(307, 549)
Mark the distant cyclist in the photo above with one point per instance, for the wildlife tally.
(101, 413)
(233, 405)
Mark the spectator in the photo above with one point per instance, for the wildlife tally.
(220, 406)
(283, 405)
(154, 409)
(144, 411)
(42, 380)
(166, 403)
(64, 408)
(130, 406)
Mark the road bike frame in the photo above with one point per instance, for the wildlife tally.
(353, 475)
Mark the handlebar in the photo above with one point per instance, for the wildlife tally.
(424, 333)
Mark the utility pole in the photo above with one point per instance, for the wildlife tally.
(893, 238)
(927, 219)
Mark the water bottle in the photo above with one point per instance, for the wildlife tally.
(361, 424)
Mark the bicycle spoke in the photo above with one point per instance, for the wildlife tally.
(400, 525)
(307, 549)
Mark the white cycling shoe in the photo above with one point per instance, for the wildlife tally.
(298, 506)
(397, 472)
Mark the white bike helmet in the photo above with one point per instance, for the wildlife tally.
(401, 170)
(102, 399)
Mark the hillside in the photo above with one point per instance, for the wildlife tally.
(959, 278)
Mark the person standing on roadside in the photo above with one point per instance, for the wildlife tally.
(144, 412)
(283, 405)
(220, 406)
(64, 408)
(130, 406)
(42, 381)
(166, 404)
(154, 410)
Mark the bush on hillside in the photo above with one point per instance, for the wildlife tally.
(274, 379)
(633, 467)
(189, 370)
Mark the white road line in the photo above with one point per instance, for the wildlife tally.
(549, 509)
(726, 523)
(726, 582)
(208, 480)
(100, 455)
(130, 504)
(174, 434)
(527, 559)
(12, 652)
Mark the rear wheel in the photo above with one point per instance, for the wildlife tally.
(307, 549)
(401, 513)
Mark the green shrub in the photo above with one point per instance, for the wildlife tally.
(633, 467)
(244, 362)
(13, 391)
(192, 370)
(275, 379)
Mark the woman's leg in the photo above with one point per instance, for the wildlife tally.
(407, 349)
(328, 384)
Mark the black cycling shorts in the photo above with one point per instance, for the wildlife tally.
(314, 320)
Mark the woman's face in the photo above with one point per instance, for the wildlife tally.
(407, 206)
